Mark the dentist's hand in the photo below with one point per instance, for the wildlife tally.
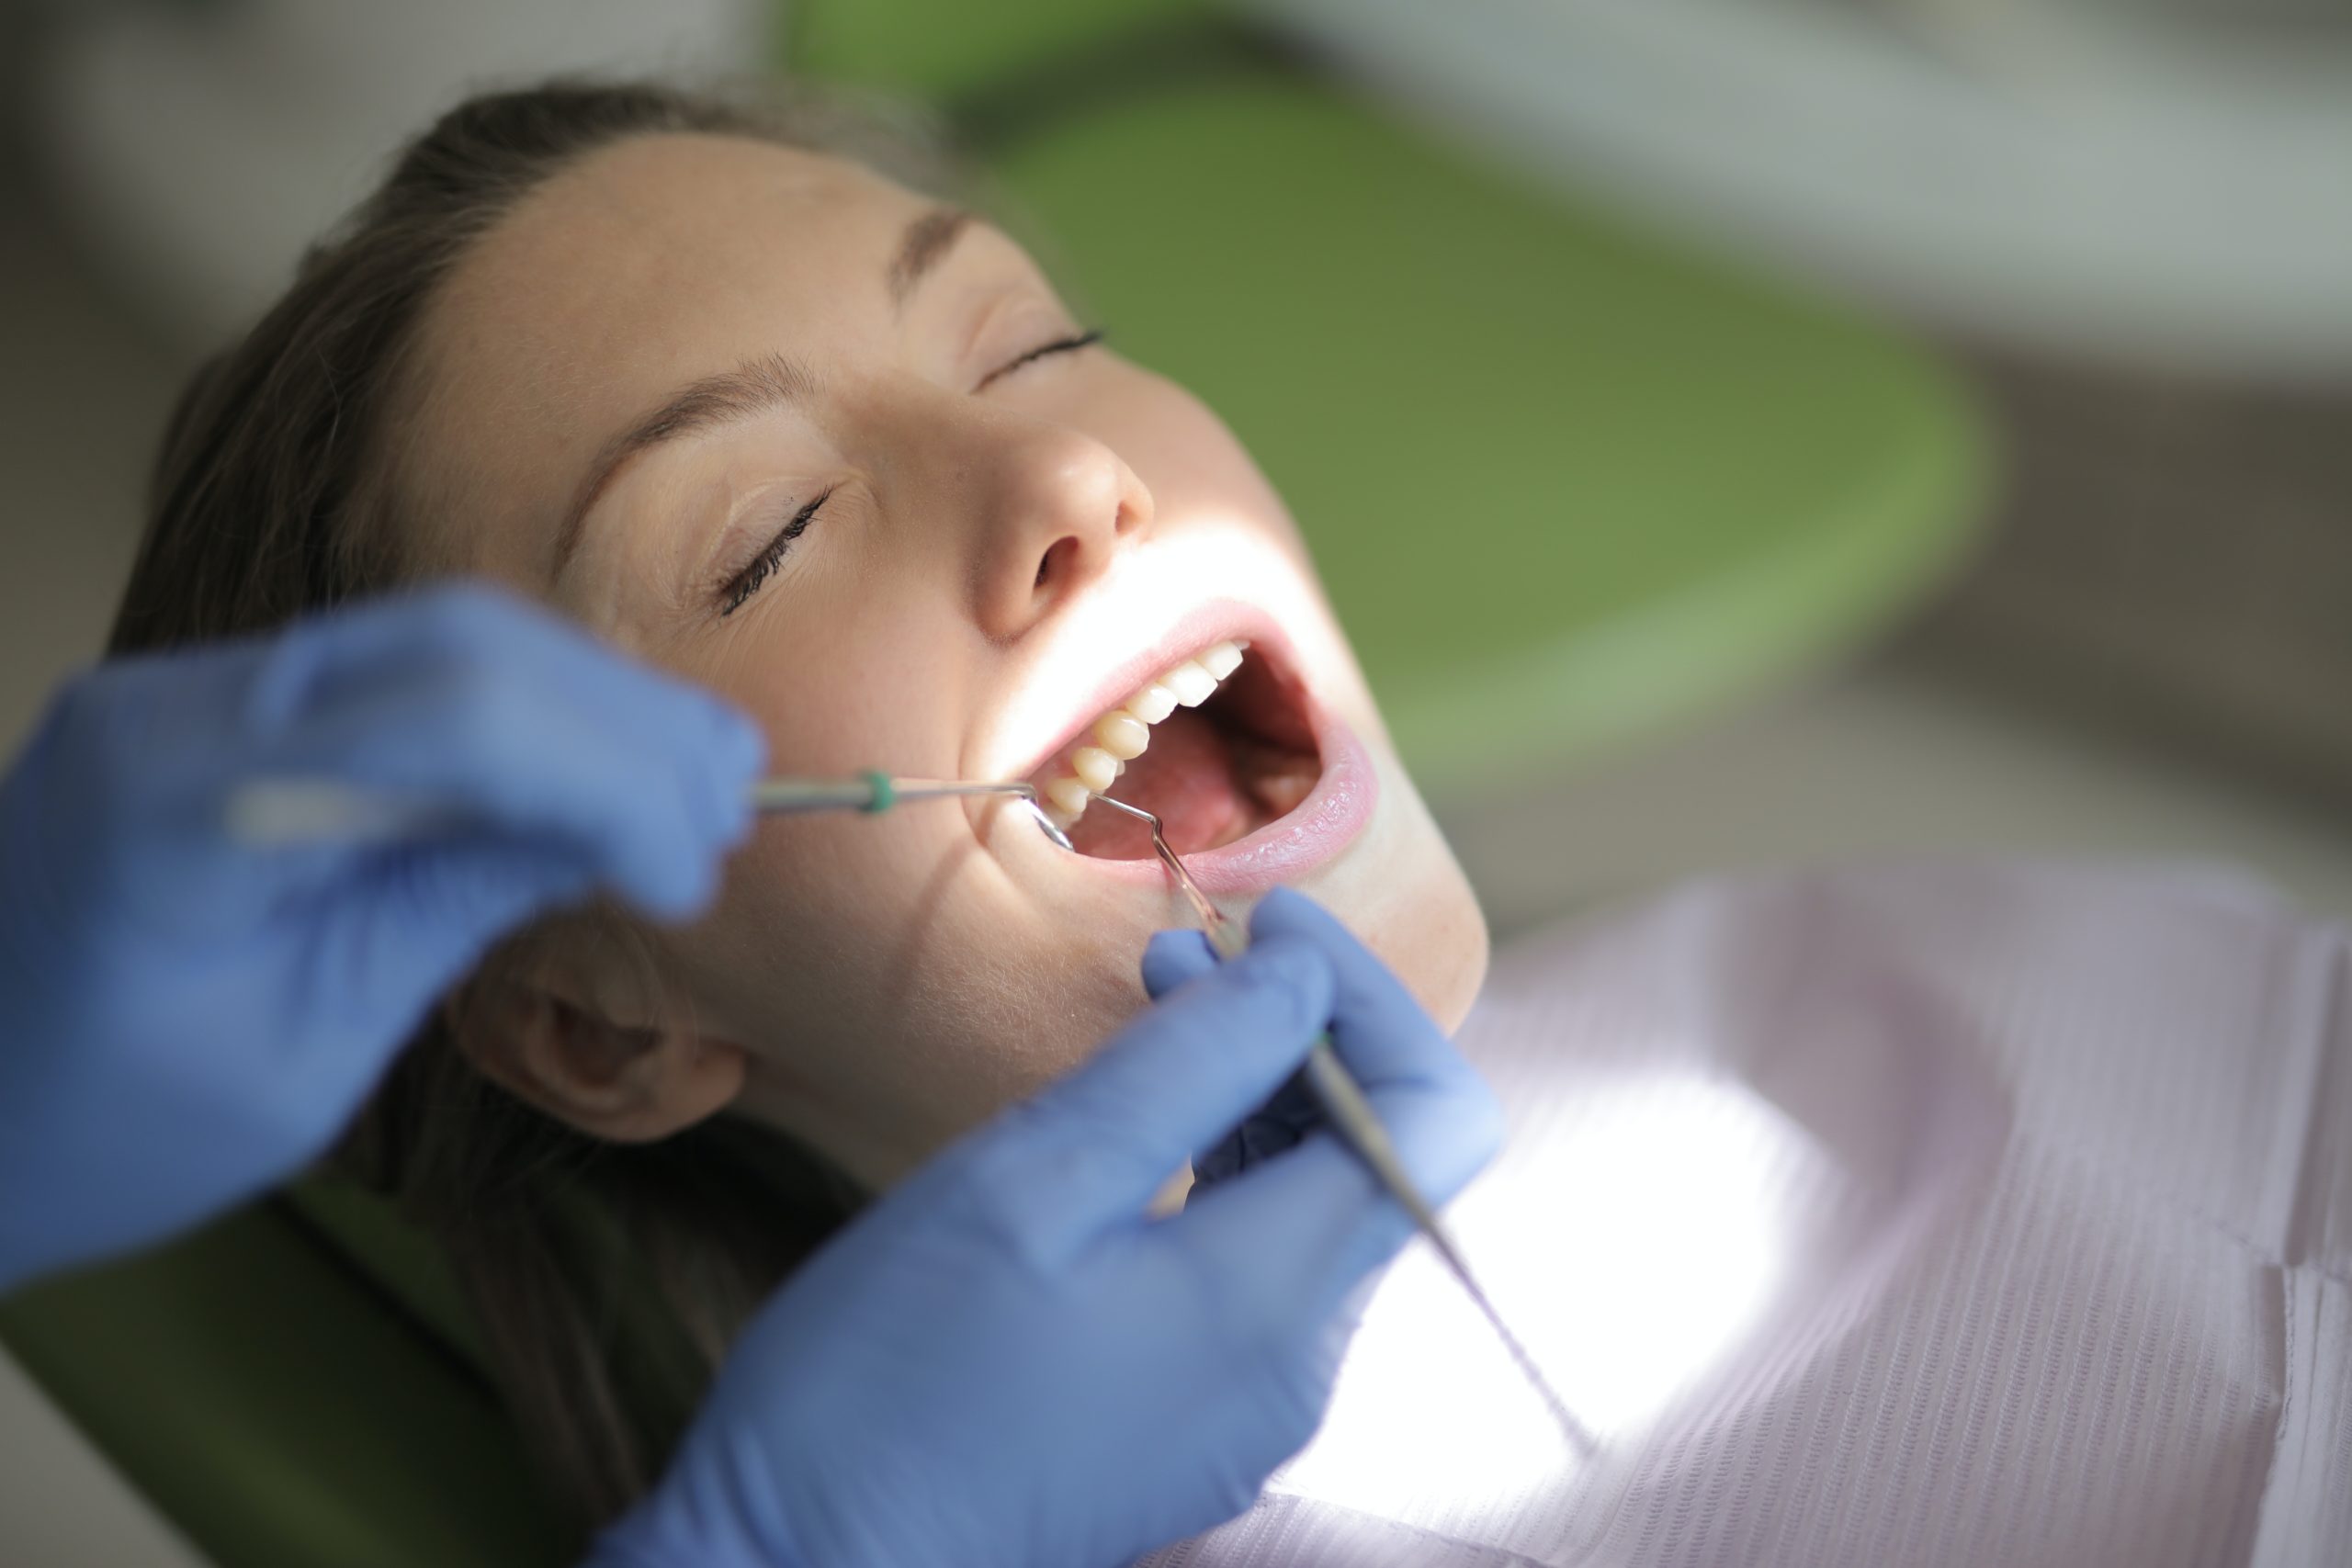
(184, 1018)
(1007, 1362)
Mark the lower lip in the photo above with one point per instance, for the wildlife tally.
(1311, 834)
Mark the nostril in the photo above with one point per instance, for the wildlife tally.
(1056, 560)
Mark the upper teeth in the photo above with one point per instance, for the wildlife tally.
(1125, 730)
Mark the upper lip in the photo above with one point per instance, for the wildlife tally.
(1220, 620)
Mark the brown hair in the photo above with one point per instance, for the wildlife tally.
(607, 1279)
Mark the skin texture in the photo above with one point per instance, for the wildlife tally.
(985, 554)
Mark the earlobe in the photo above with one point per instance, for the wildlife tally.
(614, 1081)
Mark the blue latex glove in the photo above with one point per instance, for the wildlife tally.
(1006, 1362)
(184, 1020)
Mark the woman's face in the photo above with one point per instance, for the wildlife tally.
(761, 418)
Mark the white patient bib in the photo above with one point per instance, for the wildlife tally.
(1936, 1216)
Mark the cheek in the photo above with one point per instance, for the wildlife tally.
(1402, 891)
(894, 983)
(1437, 938)
(844, 675)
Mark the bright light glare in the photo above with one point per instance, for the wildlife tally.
(1665, 1243)
(1631, 1236)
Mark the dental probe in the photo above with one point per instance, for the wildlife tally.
(1359, 1128)
(873, 791)
(304, 811)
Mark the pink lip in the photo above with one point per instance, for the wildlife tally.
(1314, 832)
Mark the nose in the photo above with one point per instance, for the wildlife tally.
(1061, 506)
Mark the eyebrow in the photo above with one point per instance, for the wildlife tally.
(921, 248)
(753, 388)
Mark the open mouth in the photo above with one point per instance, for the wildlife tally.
(1218, 746)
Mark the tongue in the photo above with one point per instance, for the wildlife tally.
(1186, 780)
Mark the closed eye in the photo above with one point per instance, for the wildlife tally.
(738, 587)
(1062, 345)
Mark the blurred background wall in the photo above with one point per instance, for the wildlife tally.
(2128, 220)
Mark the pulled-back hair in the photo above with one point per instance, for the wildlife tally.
(605, 1279)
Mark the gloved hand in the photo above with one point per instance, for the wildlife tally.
(1006, 1362)
(184, 1018)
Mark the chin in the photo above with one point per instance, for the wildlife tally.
(1415, 908)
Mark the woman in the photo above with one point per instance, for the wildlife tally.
(1848, 1210)
(838, 453)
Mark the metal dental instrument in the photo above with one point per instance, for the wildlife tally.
(1358, 1125)
(875, 792)
(299, 811)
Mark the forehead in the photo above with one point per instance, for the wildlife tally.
(645, 265)
(660, 230)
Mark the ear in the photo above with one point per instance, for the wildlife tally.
(625, 1083)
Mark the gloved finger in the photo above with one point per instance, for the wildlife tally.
(1171, 958)
(459, 636)
(326, 659)
(1286, 1242)
(1091, 1149)
(441, 907)
(1437, 1110)
(475, 754)
(661, 712)
(472, 707)
(1379, 1028)
(1317, 1207)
